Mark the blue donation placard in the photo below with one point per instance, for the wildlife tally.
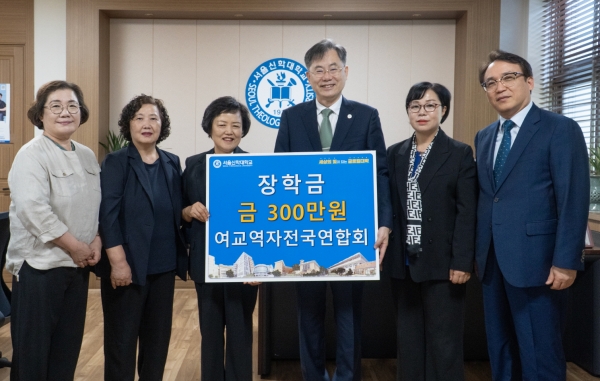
(291, 217)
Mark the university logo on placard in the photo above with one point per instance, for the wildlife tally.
(274, 86)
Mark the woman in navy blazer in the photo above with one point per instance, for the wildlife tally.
(430, 258)
(140, 219)
(221, 305)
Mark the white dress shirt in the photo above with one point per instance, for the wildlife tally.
(333, 117)
(517, 119)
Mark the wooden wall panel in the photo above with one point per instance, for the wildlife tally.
(16, 68)
(12, 71)
(477, 33)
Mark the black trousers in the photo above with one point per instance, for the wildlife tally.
(137, 313)
(48, 317)
(226, 306)
(347, 310)
(429, 328)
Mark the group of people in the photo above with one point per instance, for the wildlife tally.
(516, 216)
(132, 223)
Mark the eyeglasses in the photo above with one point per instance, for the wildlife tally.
(429, 107)
(507, 80)
(334, 71)
(57, 108)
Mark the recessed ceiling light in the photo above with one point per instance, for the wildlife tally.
(149, 14)
(416, 15)
(327, 15)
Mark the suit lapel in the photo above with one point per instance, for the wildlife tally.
(435, 159)
(342, 127)
(402, 162)
(168, 169)
(526, 132)
(135, 160)
(309, 120)
(171, 172)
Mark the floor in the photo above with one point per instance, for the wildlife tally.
(184, 351)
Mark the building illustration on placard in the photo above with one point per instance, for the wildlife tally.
(244, 267)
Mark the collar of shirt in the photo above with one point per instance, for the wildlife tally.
(58, 145)
(519, 117)
(333, 117)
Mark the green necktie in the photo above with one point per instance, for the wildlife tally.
(325, 131)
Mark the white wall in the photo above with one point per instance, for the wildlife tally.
(50, 42)
(534, 47)
(514, 16)
(190, 63)
(521, 33)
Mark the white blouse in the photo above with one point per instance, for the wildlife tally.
(52, 191)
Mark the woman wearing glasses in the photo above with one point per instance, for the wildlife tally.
(430, 258)
(55, 196)
(140, 216)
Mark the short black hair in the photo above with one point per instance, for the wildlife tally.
(36, 111)
(417, 91)
(134, 105)
(225, 105)
(318, 50)
(501, 55)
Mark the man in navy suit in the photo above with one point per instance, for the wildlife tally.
(531, 222)
(333, 123)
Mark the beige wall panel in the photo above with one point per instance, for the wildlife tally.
(174, 79)
(259, 41)
(389, 75)
(435, 40)
(131, 62)
(218, 70)
(299, 36)
(197, 61)
(354, 36)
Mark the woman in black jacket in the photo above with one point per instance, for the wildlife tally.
(430, 258)
(226, 121)
(140, 219)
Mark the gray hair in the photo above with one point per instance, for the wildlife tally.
(318, 50)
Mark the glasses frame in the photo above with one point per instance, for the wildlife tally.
(337, 69)
(501, 79)
(435, 106)
(63, 107)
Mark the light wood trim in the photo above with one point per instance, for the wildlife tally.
(478, 30)
(16, 41)
(16, 32)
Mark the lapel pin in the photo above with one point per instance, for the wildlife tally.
(349, 116)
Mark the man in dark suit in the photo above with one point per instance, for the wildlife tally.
(333, 123)
(531, 221)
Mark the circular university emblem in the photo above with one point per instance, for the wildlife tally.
(274, 86)
(217, 163)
